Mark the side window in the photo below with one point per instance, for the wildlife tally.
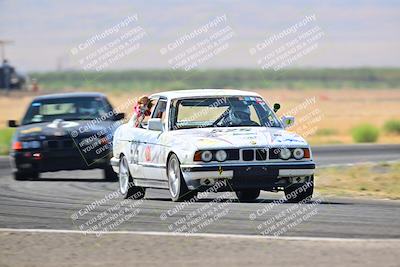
(146, 118)
(160, 110)
(172, 114)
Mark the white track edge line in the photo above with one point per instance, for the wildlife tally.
(209, 235)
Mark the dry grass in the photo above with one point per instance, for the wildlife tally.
(328, 121)
(369, 180)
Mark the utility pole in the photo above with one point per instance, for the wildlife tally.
(3, 43)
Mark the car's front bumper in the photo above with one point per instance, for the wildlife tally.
(49, 161)
(266, 176)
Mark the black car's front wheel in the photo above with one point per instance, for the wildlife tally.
(109, 174)
(26, 175)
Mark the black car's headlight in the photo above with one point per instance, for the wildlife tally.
(31, 144)
(20, 145)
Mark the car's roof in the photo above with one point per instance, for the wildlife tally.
(68, 95)
(204, 93)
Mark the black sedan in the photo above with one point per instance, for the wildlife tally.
(64, 132)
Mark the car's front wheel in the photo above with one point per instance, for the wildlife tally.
(177, 185)
(26, 175)
(109, 174)
(295, 193)
(248, 195)
(126, 186)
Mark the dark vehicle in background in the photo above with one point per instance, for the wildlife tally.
(10, 79)
(64, 132)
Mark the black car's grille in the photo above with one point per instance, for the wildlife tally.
(52, 144)
(59, 144)
(68, 143)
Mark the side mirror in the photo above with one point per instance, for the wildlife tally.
(155, 124)
(277, 106)
(12, 123)
(119, 116)
(288, 121)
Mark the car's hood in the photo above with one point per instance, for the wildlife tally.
(44, 130)
(238, 137)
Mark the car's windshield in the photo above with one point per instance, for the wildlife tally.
(73, 108)
(222, 112)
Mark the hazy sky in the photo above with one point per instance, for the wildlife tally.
(355, 33)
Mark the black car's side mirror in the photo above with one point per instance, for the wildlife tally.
(12, 123)
(119, 116)
(277, 106)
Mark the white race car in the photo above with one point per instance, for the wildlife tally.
(196, 139)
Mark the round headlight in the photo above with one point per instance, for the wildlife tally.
(298, 153)
(220, 155)
(285, 153)
(206, 156)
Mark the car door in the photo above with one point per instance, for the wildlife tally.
(150, 149)
(132, 138)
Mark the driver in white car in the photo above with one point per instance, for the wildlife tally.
(239, 115)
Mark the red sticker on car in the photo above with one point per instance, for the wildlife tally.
(147, 153)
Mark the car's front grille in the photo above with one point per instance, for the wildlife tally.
(59, 144)
(52, 144)
(232, 154)
(68, 143)
(248, 154)
(274, 153)
(259, 154)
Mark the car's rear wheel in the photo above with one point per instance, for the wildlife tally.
(248, 195)
(26, 175)
(177, 185)
(296, 193)
(126, 186)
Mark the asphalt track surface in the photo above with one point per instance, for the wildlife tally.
(60, 201)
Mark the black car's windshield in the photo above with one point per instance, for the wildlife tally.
(222, 112)
(73, 108)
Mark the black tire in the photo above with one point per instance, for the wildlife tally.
(178, 189)
(26, 175)
(130, 190)
(296, 193)
(248, 195)
(109, 174)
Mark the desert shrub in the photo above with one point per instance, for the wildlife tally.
(392, 126)
(365, 133)
(326, 132)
